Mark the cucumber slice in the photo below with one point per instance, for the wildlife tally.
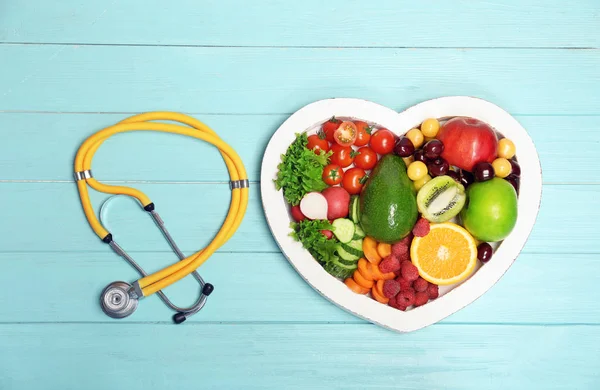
(354, 247)
(358, 233)
(346, 255)
(354, 209)
(343, 229)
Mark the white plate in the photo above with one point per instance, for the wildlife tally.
(312, 116)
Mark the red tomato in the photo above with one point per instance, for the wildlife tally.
(354, 179)
(364, 133)
(332, 174)
(345, 134)
(342, 155)
(366, 158)
(382, 141)
(330, 127)
(316, 144)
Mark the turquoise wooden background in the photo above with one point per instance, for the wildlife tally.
(69, 68)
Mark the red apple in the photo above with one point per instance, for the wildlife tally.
(467, 141)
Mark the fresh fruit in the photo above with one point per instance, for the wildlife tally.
(421, 298)
(421, 182)
(297, 214)
(404, 284)
(416, 137)
(406, 298)
(484, 252)
(433, 290)
(420, 284)
(501, 167)
(420, 156)
(447, 255)
(314, 205)
(408, 160)
(421, 228)
(404, 147)
(389, 264)
(441, 199)
(366, 158)
(342, 155)
(332, 174)
(439, 167)
(370, 250)
(433, 149)
(363, 134)
(382, 141)
(483, 171)
(399, 249)
(384, 250)
(354, 179)
(515, 168)
(514, 181)
(506, 148)
(409, 271)
(417, 170)
(317, 142)
(345, 134)
(391, 288)
(430, 127)
(467, 141)
(388, 206)
(466, 178)
(454, 175)
(338, 202)
(330, 127)
(491, 211)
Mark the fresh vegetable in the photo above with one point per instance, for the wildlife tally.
(314, 205)
(353, 211)
(342, 155)
(361, 281)
(363, 133)
(384, 250)
(345, 134)
(327, 233)
(330, 127)
(370, 250)
(358, 232)
(317, 142)
(364, 269)
(354, 248)
(355, 286)
(366, 158)
(354, 179)
(343, 229)
(333, 174)
(297, 214)
(382, 141)
(338, 202)
(300, 171)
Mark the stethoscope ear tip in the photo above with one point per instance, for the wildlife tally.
(179, 317)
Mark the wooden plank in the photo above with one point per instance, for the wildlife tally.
(157, 356)
(194, 212)
(263, 287)
(309, 23)
(281, 80)
(40, 146)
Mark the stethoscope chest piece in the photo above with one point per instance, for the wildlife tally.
(116, 300)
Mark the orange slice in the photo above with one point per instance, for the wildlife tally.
(446, 255)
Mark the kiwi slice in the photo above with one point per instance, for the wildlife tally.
(441, 199)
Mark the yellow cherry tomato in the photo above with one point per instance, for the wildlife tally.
(502, 167)
(506, 148)
(416, 137)
(421, 182)
(408, 160)
(430, 127)
(416, 170)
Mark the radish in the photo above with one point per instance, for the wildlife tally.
(314, 206)
(297, 214)
(338, 202)
(327, 233)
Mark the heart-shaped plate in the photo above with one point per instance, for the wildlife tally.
(452, 298)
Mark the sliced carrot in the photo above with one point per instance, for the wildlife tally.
(379, 287)
(388, 276)
(377, 275)
(355, 287)
(379, 297)
(358, 278)
(370, 250)
(384, 250)
(363, 268)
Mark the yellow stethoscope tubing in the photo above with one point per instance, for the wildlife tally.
(171, 274)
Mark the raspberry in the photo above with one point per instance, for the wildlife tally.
(407, 240)
(421, 228)
(399, 249)
(409, 271)
(392, 303)
(432, 290)
(404, 284)
(420, 284)
(403, 308)
(389, 264)
(421, 298)
(391, 288)
(406, 298)
(404, 257)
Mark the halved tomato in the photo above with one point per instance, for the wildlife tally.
(346, 133)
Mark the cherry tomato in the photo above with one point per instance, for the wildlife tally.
(332, 174)
(366, 158)
(382, 141)
(364, 133)
(342, 155)
(345, 134)
(354, 179)
(317, 142)
(330, 127)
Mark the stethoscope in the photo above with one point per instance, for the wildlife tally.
(120, 299)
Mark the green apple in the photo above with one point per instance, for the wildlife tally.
(490, 213)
